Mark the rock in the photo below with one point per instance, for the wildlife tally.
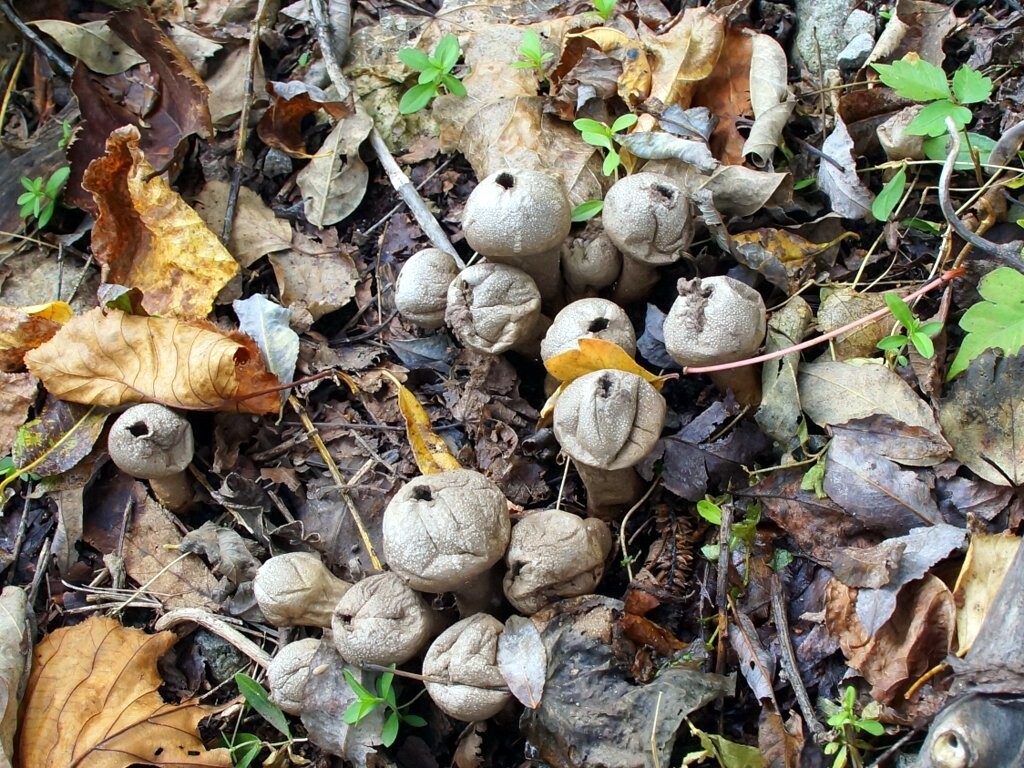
(858, 23)
(820, 37)
(856, 51)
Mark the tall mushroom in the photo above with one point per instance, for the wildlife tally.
(152, 442)
(607, 421)
(421, 292)
(297, 589)
(647, 216)
(444, 532)
(493, 308)
(462, 669)
(718, 320)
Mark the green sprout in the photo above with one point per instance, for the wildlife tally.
(367, 702)
(598, 134)
(846, 745)
(917, 333)
(531, 54)
(604, 8)
(244, 747)
(39, 199)
(435, 73)
(588, 209)
(67, 133)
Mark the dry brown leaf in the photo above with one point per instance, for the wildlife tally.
(15, 641)
(17, 393)
(25, 328)
(985, 566)
(320, 279)
(92, 702)
(146, 237)
(726, 92)
(770, 97)
(843, 305)
(255, 231)
(112, 359)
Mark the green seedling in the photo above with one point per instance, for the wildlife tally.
(39, 199)
(846, 744)
(890, 196)
(916, 333)
(605, 9)
(740, 532)
(367, 702)
(67, 133)
(245, 747)
(531, 54)
(587, 210)
(435, 74)
(996, 322)
(598, 134)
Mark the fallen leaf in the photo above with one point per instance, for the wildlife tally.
(726, 93)
(334, 181)
(281, 125)
(227, 86)
(146, 237)
(771, 98)
(756, 664)
(15, 641)
(255, 231)
(93, 43)
(430, 451)
(843, 305)
(779, 414)
(62, 435)
(656, 145)
(899, 442)
(781, 743)
(985, 566)
(320, 280)
(598, 355)
(92, 701)
(683, 56)
(726, 753)
(17, 394)
(523, 660)
(25, 328)
(266, 323)
(839, 181)
(112, 359)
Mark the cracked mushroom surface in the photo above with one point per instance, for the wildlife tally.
(442, 531)
(465, 657)
(588, 319)
(288, 672)
(297, 589)
(493, 307)
(421, 291)
(381, 620)
(554, 554)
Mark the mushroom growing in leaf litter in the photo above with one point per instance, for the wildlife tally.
(421, 291)
(588, 319)
(493, 308)
(297, 589)
(287, 674)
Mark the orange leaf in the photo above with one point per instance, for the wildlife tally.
(598, 355)
(112, 359)
(431, 452)
(684, 55)
(146, 237)
(92, 702)
(25, 328)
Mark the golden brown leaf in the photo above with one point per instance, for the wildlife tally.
(726, 92)
(112, 359)
(431, 452)
(25, 328)
(597, 355)
(684, 56)
(146, 237)
(92, 702)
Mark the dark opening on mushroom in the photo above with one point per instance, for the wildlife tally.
(506, 180)
(597, 325)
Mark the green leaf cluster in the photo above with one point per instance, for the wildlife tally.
(435, 73)
(843, 718)
(532, 55)
(917, 333)
(39, 199)
(604, 8)
(740, 532)
(246, 746)
(601, 135)
(995, 322)
(367, 701)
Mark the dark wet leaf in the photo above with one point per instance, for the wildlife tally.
(62, 436)
(651, 344)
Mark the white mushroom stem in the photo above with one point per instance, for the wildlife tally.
(609, 491)
(589, 263)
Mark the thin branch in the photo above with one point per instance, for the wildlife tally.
(217, 626)
(788, 658)
(333, 45)
(55, 58)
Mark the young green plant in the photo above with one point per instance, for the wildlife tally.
(915, 332)
(740, 532)
(39, 200)
(531, 54)
(245, 747)
(367, 701)
(846, 744)
(996, 322)
(604, 8)
(601, 135)
(435, 73)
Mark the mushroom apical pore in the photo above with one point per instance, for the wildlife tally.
(588, 319)
(152, 442)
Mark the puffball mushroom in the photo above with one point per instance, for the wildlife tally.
(718, 320)
(297, 589)
(607, 421)
(590, 262)
(520, 218)
(554, 554)
(588, 319)
(465, 658)
(647, 216)
(493, 307)
(152, 442)
(421, 292)
(287, 674)
(381, 620)
(443, 532)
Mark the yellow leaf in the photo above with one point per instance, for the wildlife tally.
(598, 355)
(431, 452)
(634, 83)
(93, 702)
(25, 328)
(55, 311)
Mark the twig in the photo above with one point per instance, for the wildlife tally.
(55, 58)
(893, 749)
(722, 586)
(333, 45)
(217, 626)
(11, 84)
(625, 520)
(788, 658)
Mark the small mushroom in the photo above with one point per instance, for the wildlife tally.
(287, 674)
(152, 442)
(718, 320)
(421, 292)
(381, 620)
(444, 532)
(520, 218)
(590, 262)
(588, 319)
(296, 589)
(647, 216)
(607, 421)
(554, 554)
(493, 308)
(464, 658)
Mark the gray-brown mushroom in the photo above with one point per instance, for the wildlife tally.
(421, 291)
(462, 669)
(297, 589)
(152, 442)
(588, 319)
(554, 554)
(590, 262)
(606, 422)
(718, 320)
(287, 674)
(381, 620)
(647, 216)
(493, 308)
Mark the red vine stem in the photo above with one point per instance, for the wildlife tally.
(876, 315)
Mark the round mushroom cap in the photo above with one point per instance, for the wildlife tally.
(514, 214)
(287, 674)
(609, 419)
(466, 656)
(421, 292)
(647, 217)
(591, 261)
(150, 441)
(554, 554)
(492, 307)
(381, 620)
(296, 589)
(442, 531)
(714, 320)
(588, 319)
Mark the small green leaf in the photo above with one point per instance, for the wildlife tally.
(923, 345)
(57, 179)
(447, 52)
(710, 511)
(384, 684)
(414, 59)
(896, 341)
(598, 140)
(530, 45)
(996, 322)
(590, 126)
(900, 310)
(611, 162)
(257, 697)
(523, 65)
(781, 558)
(45, 216)
(970, 86)
(624, 122)
(873, 727)
(931, 330)
(416, 98)
(935, 149)
(931, 121)
(430, 75)
(352, 712)
(389, 732)
(914, 78)
(804, 184)
(454, 86)
(357, 688)
(26, 182)
(26, 197)
(414, 720)
(921, 225)
(587, 210)
(889, 197)
(710, 552)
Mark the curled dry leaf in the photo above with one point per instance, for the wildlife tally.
(93, 43)
(431, 452)
(25, 328)
(146, 237)
(770, 97)
(839, 180)
(112, 359)
(523, 660)
(334, 182)
(985, 566)
(93, 701)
